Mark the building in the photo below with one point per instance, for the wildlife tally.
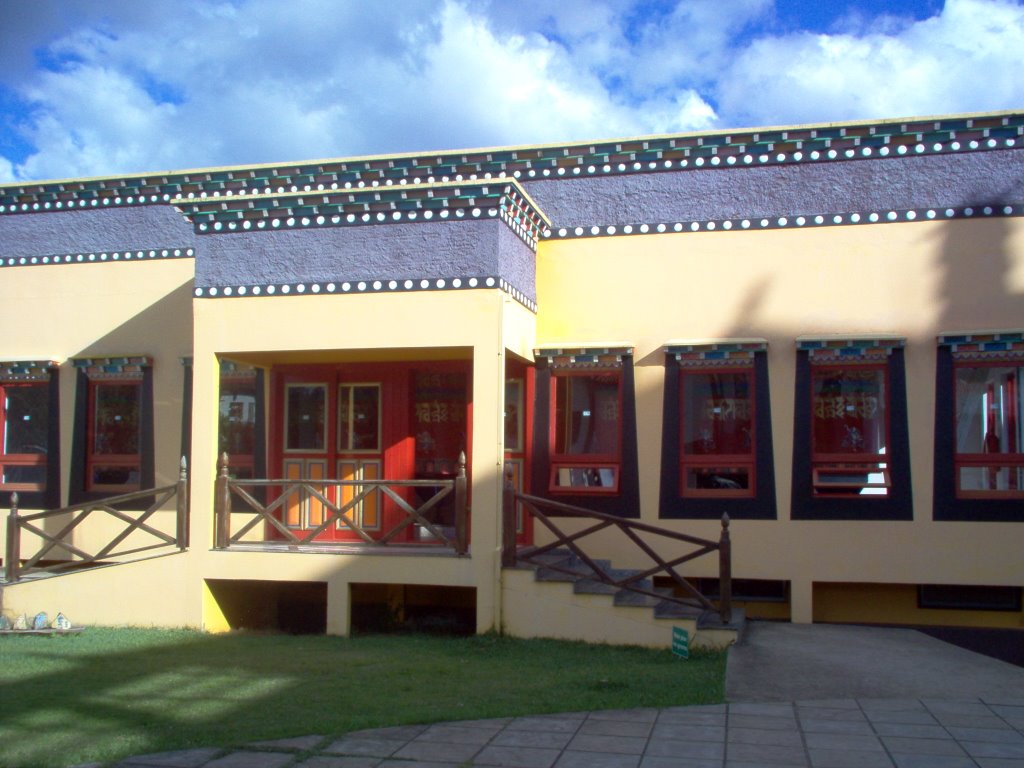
(817, 330)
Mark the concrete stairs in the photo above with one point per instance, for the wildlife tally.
(558, 596)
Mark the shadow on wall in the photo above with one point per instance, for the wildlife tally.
(977, 288)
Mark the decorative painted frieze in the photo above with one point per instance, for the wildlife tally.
(364, 286)
(805, 221)
(503, 199)
(718, 149)
(98, 257)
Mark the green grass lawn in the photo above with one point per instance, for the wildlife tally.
(106, 694)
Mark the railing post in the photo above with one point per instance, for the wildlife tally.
(222, 505)
(461, 513)
(12, 556)
(508, 519)
(182, 499)
(725, 573)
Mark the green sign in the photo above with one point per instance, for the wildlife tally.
(681, 642)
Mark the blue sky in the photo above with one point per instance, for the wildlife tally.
(91, 87)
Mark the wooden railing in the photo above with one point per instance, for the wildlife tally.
(271, 515)
(640, 535)
(45, 559)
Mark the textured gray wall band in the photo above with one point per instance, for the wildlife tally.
(974, 178)
(82, 231)
(393, 251)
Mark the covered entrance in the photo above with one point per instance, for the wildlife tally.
(369, 421)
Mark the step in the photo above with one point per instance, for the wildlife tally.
(576, 567)
(669, 609)
(636, 599)
(587, 586)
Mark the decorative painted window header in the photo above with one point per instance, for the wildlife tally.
(364, 286)
(598, 355)
(775, 146)
(26, 370)
(502, 198)
(231, 369)
(718, 352)
(113, 367)
(834, 349)
(984, 345)
(98, 257)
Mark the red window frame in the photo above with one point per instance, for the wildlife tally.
(587, 472)
(1000, 439)
(851, 472)
(96, 458)
(32, 459)
(716, 465)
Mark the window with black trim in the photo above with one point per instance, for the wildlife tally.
(716, 444)
(979, 438)
(851, 442)
(585, 428)
(113, 442)
(29, 424)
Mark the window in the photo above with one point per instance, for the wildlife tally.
(849, 429)
(969, 597)
(358, 417)
(584, 429)
(237, 419)
(717, 410)
(587, 433)
(989, 454)
(113, 442)
(979, 441)
(115, 436)
(716, 450)
(306, 417)
(851, 444)
(24, 435)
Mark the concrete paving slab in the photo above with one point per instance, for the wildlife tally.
(786, 662)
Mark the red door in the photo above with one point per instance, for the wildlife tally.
(366, 421)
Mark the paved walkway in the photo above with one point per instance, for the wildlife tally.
(836, 733)
(851, 697)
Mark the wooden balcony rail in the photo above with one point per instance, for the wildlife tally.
(335, 513)
(639, 534)
(74, 556)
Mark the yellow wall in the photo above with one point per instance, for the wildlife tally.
(59, 312)
(913, 280)
(897, 604)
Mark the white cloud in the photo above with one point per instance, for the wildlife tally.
(968, 58)
(131, 87)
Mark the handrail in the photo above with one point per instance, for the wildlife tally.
(134, 521)
(634, 531)
(270, 514)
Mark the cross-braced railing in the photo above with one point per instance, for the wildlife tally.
(58, 551)
(338, 501)
(641, 535)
